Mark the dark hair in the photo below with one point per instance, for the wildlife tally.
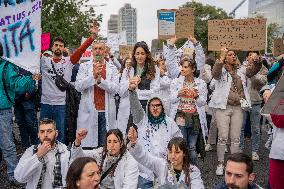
(59, 39)
(75, 170)
(179, 142)
(155, 98)
(123, 148)
(149, 62)
(242, 158)
(45, 121)
(1, 50)
(192, 64)
(210, 62)
(248, 52)
(123, 63)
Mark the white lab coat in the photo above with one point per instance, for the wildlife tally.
(160, 168)
(176, 86)
(126, 173)
(124, 106)
(29, 167)
(87, 114)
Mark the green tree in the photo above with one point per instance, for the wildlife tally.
(203, 13)
(273, 31)
(67, 19)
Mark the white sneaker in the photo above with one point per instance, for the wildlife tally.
(208, 148)
(255, 156)
(220, 170)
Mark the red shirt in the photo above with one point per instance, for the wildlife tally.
(99, 94)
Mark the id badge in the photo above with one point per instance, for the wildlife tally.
(180, 121)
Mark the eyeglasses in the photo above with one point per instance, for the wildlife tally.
(155, 105)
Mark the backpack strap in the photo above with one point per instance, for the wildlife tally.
(4, 82)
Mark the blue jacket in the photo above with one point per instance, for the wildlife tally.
(15, 83)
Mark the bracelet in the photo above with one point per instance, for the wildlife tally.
(76, 145)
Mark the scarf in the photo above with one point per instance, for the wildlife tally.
(157, 120)
(57, 181)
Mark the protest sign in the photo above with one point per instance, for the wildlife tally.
(237, 34)
(125, 50)
(20, 36)
(116, 39)
(179, 22)
(278, 46)
(88, 54)
(45, 41)
(275, 103)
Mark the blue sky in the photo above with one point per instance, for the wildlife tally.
(147, 9)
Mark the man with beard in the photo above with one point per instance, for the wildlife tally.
(45, 165)
(239, 173)
(53, 105)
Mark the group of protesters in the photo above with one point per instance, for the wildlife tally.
(140, 122)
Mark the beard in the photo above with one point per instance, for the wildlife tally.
(52, 141)
(232, 186)
(57, 52)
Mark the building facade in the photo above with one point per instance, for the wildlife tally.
(112, 24)
(273, 10)
(127, 21)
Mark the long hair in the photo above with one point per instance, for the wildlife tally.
(180, 143)
(123, 148)
(75, 170)
(149, 62)
(124, 63)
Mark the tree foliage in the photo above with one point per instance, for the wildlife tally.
(67, 19)
(203, 13)
(273, 31)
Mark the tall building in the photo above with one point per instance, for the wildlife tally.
(127, 21)
(112, 24)
(273, 10)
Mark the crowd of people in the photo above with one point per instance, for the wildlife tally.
(139, 122)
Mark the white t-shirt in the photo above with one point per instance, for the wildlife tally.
(50, 92)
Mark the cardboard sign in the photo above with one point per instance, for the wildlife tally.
(237, 34)
(20, 26)
(278, 47)
(179, 22)
(45, 41)
(125, 50)
(275, 103)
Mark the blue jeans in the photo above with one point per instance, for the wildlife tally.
(191, 139)
(7, 144)
(102, 129)
(144, 183)
(255, 128)
(26, 119)
(57, 113)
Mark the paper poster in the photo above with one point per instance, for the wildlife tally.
(175, 22)
(45, 41)
(237, 34)
(20, 32)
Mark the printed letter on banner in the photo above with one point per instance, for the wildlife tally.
(20, 32)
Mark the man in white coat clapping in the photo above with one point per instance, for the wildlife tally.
(97, 80)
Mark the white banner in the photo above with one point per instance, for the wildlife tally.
(20, 32)
(114, 40)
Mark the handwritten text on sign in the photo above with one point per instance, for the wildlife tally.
(237, 34)
(20, 32)
(278, 47)
(179, 22)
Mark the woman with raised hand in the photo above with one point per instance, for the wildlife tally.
(230, 98)
(176, 170)
(118, 168)
(188, 98)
